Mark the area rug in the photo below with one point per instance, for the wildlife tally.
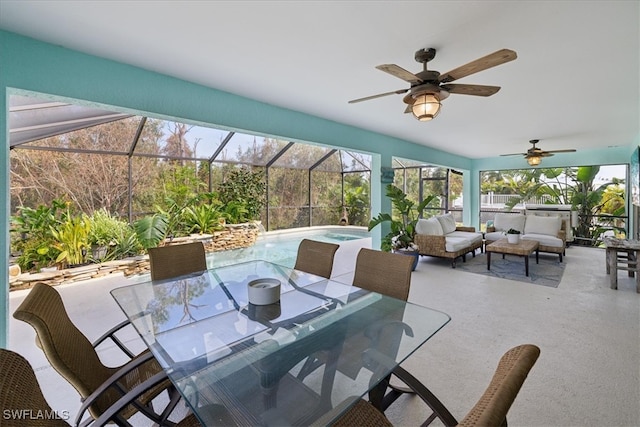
(547, 273)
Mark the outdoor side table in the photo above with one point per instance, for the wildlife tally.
(622, 254)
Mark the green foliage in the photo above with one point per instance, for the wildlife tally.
(151, 230)
(31, 234)
(37, 253)
(178, 186)
(236, 212)
(403, 230)
(173, 214)
(513, 231)
(108, 230)
(126, 245)
(103, 228)
(356, 200)
(203, 218)
(246, 187)
(72, 239)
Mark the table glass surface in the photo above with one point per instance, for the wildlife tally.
(289, 363)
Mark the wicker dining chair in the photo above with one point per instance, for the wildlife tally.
(490, 410)
(75, 358)
(384, 272)
(177, 260)
(21, 397)
(316, 257)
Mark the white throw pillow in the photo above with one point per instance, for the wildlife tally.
(543, 225)
(447, 222)
(505, 221)
(429, 226)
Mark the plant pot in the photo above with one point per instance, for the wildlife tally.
(514, 239)
(414, 254)
(98, 252)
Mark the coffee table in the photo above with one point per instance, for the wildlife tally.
(523, 248)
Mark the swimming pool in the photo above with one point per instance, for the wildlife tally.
(281, 246)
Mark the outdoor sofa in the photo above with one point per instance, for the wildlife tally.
(439, 236)
(548, 231)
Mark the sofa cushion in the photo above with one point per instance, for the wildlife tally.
(544, 240)
(505, 221)
(454, 244)
(470, 237)
(549, 225)
(429, 226)
(447, 222)
(494, 236)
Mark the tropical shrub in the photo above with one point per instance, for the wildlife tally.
(31, 235)
(151, 230)
(72, 239)
(403, 230)
(244, 187)
(113, 233)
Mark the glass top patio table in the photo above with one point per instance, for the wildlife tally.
(288, 363)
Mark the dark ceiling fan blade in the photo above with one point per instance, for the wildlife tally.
(477, 90)
(561, 151)
(380, 95)
(496, 58)
(514, 154)
(399, 72)
(409, 109)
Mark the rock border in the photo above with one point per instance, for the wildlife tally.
(233, 236)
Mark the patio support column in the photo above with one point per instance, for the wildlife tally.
(4, 219)
(381, 175)
(471, 197)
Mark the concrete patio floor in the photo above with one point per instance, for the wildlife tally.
(588, 373)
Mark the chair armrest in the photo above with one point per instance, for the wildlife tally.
(466, 228)
(562, 235)
(112, 414)
(114, 383)
(491, 229)
(429, 244)
(439, 410)
(110, 334)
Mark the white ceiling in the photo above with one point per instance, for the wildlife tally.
(575, 84)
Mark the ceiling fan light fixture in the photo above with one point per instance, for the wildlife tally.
(534, 160)
(426, 106)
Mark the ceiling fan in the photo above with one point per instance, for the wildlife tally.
(534, 154)
(429, 87)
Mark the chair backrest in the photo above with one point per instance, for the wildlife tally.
(177, 260)
(316, 257)
(513, 368)
(70, 353)
(384, 272)
(21, 396)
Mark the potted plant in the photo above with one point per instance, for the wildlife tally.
(513, 236)
(403, 230)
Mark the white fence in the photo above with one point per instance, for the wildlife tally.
(492, 200)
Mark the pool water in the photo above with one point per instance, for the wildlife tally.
(281, 247)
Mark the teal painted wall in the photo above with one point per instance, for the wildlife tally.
(27, 65)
